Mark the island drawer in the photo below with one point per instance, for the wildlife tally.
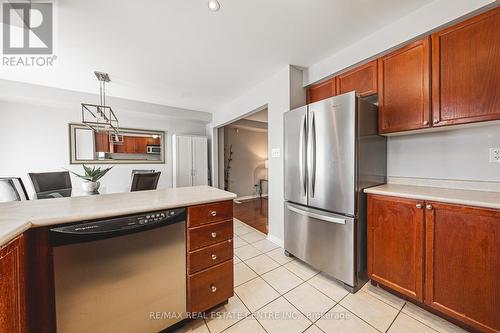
(210, 287)
(209, 256)
(209, 234)
(209, 213)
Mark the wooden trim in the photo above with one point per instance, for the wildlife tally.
(40, 282)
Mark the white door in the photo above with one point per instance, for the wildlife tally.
(200, 161)
(183, 163)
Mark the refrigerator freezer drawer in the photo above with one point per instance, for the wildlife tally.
(324, 240)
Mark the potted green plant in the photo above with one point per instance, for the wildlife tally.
(91, 177)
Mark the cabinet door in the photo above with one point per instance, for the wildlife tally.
(200, 161)
(102, 142)
(395, 244)
(404, 88)
(362, 79)
(141, 145)
(466, 71)
(12, 294)
(463, 263)
(321, 91)
(183, 160)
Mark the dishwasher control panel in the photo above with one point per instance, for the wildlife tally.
(105, 228)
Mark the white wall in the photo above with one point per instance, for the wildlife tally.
(275, 93)
(459, 154)
(250, 150)
(34, 138)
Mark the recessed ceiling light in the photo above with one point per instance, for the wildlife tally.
(213, 5)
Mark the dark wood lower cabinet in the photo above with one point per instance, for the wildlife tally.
(396, 243)
(210, 287)
(210, 255)
(12, 287)
(461, 255)
(463, 264)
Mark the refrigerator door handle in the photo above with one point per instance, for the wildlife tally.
(316, 214)
(313, 136)
(303, 155)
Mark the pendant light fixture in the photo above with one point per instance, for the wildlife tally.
(213, 5)
(100, 116)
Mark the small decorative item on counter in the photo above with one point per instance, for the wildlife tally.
(91, 178)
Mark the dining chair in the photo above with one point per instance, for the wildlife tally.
(12, 189)
(145, 181)
(50, 181)
(141, 171)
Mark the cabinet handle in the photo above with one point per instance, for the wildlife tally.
(419, 206)
(426, 123)
(214, 288)
(436, 121)
(214, 234)
(213, 213)
(429, 207)
(214, 256)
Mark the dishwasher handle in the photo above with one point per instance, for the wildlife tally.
(114, 227)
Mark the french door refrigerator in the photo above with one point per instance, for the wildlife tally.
(332, 152)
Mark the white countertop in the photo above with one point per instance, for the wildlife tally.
(447, 195)
(16, 217)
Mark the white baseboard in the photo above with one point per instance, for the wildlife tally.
(248, 197)
(278, 241)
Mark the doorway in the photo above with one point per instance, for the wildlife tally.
(243, 167)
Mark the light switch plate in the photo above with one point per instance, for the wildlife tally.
(275, 152)
(495, 155)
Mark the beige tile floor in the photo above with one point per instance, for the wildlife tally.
(275, 293)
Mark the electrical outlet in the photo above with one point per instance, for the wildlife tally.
(495, 155)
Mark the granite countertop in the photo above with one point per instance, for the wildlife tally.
(17, 217)
(447, 195)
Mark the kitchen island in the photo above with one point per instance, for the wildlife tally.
(26, 251)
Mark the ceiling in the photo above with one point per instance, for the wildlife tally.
(178, 53)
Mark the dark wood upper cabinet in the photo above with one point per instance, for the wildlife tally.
(404, 88)
(466, 71)
(395, 244)
(362, 79)
(321, 91)
(132, 145)
(463, 263)
(102, 142)
(12, 287)
(141, 145)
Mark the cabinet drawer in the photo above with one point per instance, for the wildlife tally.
(210, 287)
(209, 234)
(214, 212)
(210, 256)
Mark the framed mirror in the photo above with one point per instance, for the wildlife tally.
(130, 146)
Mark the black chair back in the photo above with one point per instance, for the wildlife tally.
(12, 189)
(50, 181)
(141, 171)
(145, 181)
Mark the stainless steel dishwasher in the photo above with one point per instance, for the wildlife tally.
(124, 274)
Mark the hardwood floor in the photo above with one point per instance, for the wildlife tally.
(253, 212)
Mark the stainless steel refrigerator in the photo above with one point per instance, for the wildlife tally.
(332, 152)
